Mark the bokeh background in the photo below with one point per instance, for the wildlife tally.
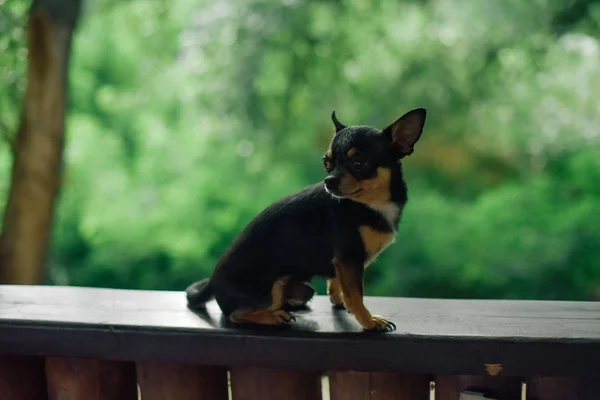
(188, 117)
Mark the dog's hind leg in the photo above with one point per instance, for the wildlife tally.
(298, 293)
(271, 315)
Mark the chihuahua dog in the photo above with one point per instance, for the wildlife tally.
(333, 229)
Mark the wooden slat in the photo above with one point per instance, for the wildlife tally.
(497, 387)
(268, 384)
(562, 388)
(22, 378)
(553, 389)
(90, 379)
(167, 381)
(378, 386)
(440, 337)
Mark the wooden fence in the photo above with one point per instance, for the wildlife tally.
(86, 344)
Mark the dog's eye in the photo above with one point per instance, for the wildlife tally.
(358, 163)
(326, 163)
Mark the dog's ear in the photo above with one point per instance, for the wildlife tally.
(338, 125)
(406, 131)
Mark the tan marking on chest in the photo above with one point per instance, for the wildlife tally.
(374, 242)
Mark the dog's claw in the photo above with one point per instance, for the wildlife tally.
(382, 325)
(282, 317)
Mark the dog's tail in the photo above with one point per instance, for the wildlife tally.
(199, 293)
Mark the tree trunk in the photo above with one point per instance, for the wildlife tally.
(37, 164)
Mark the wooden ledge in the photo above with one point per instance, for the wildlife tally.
(433, 336)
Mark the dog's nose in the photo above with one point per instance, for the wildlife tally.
(332, 182)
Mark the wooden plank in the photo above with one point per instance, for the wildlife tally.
(249, 383)
(441, 337)
(448, 387)
(562, 388)
(22, 378)
(90, 379)
(378, 386)
(166, 381)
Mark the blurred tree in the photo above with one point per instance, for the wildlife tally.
(192, 115)
(38, 149)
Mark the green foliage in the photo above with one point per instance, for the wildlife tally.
(12, 81)
(187, 118)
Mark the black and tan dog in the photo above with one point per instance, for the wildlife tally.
(334, 230)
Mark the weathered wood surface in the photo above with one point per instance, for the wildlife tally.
(90, 379)
(378, 386)
(448, 387)
(22, 378)
(563, 388)
(434, 336)
(249, 383)
(166, 381)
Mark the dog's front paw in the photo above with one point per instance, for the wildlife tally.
(381, 324)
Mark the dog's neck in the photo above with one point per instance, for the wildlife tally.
(390, 211)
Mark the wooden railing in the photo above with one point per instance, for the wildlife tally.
(79, 343)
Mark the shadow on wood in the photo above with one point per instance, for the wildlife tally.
(22, 378)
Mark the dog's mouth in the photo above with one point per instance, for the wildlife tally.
(354, 193)
(341, 194)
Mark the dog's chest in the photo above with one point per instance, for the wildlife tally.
(376, 241)
(389, 211)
